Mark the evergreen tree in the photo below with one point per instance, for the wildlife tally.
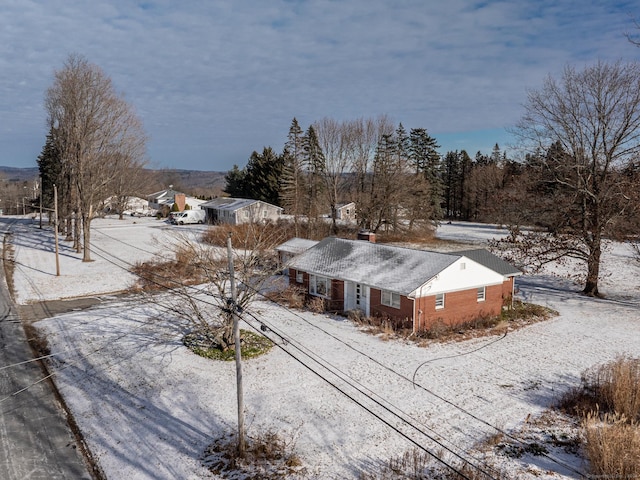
(292, 182)
(402, 143)
(235, 183)
(462, 200)
(51, 169)
(496, 156)
(451, 176)
(426, 160)
(262, 176)
(315, 166)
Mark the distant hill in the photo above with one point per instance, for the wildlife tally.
(193, 182)
(13, 174)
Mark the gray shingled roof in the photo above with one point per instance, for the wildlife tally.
(400, 270)
(232, 204)
(489, 260)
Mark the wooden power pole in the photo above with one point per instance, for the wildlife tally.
(242, 446)
(55, 227)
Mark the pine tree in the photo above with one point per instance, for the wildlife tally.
(292, 184)
(262, 176)
(451, 174)
(315, 166)
(235, 183)
(51, 169)
(426, 160)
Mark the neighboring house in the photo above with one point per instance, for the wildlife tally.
(236, 211)
(167, 198)
(134, 206)
(292, 247)
(346, 212)
(414, 288)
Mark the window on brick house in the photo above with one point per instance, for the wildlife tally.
(299, 277)
(319, 286)
(439, 300)
(390, 299)
(481, 294)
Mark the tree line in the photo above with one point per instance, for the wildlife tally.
(397, 179)
(384, 169)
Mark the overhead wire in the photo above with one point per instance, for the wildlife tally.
(412, 381)
(371, 358)
(291, 341)
(317, 373)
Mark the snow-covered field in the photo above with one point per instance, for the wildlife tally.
(148, 407)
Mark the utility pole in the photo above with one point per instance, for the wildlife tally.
(242, 446)
(40, 203)
(55, 226)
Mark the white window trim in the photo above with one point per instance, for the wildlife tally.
(299, 277)
(392, 300)
(441, 306)
(313, 286)
(481, 294)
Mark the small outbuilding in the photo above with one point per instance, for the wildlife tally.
(293, 247)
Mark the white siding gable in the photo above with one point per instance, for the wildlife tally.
(463, 274)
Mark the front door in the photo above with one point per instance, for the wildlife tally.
(358, 297)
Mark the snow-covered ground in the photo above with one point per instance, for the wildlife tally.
(148, 407)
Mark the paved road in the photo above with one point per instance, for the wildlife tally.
(35, 439)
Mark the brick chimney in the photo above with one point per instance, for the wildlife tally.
(367, 236)
(180, 199)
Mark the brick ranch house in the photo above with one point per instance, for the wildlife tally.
(413, 288)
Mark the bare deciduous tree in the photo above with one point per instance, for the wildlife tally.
(132, 181)
(366, 135)
(336, 140)
(254, 261)
(592, 120)
(98, 134)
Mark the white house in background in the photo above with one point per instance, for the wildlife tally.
(346, 212)
(156, 201)
(134, 206)
(166, 198)
(236, 211)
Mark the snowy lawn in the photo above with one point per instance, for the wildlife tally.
(148, 407)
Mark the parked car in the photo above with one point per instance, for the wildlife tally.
(189, 216)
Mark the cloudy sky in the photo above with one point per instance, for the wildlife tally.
(215, 80)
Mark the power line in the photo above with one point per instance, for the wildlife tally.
(370, 398)
(437, 396)
(311, 369)
(413, 380)
(440, 397)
